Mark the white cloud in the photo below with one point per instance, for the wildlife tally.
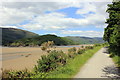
(58, 21)
(82, 33)
(13, 16)
(87, 7)
(57, 0)
(8, 27)
(18, 12)
(98, 15)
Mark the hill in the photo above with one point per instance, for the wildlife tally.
(85, 40)
(37, 41)
(18, 37)
(9, 35)
(71, 40)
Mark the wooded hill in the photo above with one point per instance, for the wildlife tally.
(37, 41)
(9, 35)
(18, 37)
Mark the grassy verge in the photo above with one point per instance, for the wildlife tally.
(73, 65)
(116, 59)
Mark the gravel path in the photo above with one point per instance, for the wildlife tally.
(99, 66)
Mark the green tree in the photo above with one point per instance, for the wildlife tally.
(112, 31)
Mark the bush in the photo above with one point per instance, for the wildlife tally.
(97, 45)
(80, 51)
(47, 45)
(111, 55)
(72, 52)
(82, 46)
(16, 74)
(51, 61)
(89, 47)
(43, 48)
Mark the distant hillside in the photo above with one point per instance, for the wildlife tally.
(9, 35)
(37, 41)
(85, 40)
(18, 37)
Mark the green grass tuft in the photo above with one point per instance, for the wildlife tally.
(116, 59)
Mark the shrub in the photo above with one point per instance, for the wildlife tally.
(72, 52)
(80, 51)
(5, 74)
(82, 46)
(111, 55)
(89, 47)
(43, 48)
(51, 61)
(47, 45)
(97, 45)
(16, 74)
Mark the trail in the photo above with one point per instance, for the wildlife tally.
(99, 66)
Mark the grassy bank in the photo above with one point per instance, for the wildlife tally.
(116, 59)
(73, 65)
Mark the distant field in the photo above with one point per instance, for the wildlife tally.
(19, 58)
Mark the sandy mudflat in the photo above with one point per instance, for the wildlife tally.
(19, 58)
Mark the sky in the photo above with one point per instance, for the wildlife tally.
(59, 18)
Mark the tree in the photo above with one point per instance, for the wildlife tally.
(112, 31)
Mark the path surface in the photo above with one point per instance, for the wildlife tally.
(99, 66)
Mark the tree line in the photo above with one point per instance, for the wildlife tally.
(37, 41)
(112, 31)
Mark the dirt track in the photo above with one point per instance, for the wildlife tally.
(99, 66)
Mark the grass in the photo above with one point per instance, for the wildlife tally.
(74, 65)
(116, 59)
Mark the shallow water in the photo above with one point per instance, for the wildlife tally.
(69, 46)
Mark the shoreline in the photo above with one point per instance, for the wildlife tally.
(40, 46)
(19, 58)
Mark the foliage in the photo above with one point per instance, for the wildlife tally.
(46, 45)
(116, 59)
(85, 40)
(9, 35)
(96, 45)
(22, 74)
(89, 47)
(80, 51)
(72, 52)
(112, 31)
(17, 74)
(111, 55)
(51, 61)
(37, 41)
(73, 65)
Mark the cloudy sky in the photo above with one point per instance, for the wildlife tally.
(60, 18)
